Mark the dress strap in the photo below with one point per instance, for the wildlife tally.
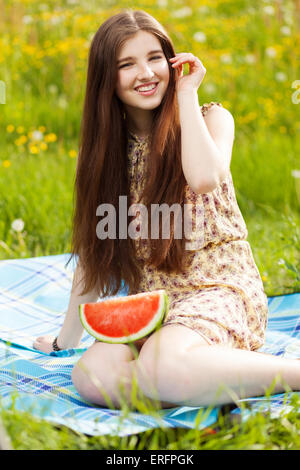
(205, 107)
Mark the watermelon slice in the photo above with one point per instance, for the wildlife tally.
(125, 319)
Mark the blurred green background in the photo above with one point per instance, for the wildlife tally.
(250, 50)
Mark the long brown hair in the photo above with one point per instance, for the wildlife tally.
(101, 173)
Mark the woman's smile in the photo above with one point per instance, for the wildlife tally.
(148, 92)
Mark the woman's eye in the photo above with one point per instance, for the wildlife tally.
(129, 63)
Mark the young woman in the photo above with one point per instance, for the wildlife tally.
(145, 136)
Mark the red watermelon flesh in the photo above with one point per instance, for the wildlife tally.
(125, 319)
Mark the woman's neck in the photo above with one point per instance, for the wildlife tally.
(140, 127)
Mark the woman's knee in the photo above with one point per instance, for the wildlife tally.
(96, 375)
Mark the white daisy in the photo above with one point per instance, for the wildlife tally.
(280, 76)
(271, 52)
(288, 17)
(210, 88)
(269, 10)
(203, 9)
(182, 12)
(17, 225)
(296, 173)
(250, 59)
(226, 58)
(199, 36)
(162, 3)
(37, 135)
(27, 19)
(56, 19)
(285, 30)
(53, 88)
(62, 102)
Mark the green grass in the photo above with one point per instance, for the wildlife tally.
(43, 64)
(258, 432)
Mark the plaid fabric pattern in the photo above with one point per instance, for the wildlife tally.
(34, 296)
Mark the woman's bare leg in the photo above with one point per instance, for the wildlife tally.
(177, 367)
(184, 370)
(102, 370)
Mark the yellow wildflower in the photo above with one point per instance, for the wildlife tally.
(20, 129)
(21, 140)
(42, 128)
(10, 128)
(50, 137)
(6, 163)
(226, 104)
(72, 153)
(43, 146)
(33, 149)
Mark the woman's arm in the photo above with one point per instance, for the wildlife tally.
(203, 165)
(72, 329)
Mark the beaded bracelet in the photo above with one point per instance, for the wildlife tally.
(55, 346)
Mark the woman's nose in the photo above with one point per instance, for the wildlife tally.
(145, 71)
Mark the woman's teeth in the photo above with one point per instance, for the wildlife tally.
(147, 88)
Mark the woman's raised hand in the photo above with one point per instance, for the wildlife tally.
(197, 71)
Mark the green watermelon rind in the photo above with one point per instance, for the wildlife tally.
(153, 325)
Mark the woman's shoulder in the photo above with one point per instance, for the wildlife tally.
(206, 106)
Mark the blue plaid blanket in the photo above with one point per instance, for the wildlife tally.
(34, 296)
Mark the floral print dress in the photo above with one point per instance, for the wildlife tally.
(220, 295)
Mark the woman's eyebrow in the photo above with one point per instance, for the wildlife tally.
(131, 58)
